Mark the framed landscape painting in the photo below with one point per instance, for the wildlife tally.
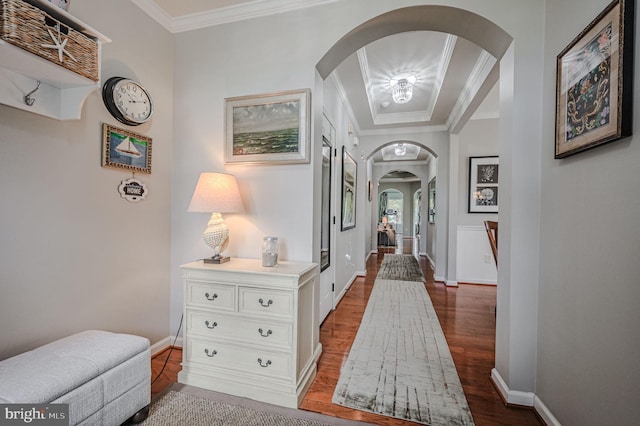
(594, 83)
(483, 184)
(268, 129)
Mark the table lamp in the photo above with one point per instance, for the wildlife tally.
(216, 193)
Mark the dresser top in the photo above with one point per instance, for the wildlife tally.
(254, 266)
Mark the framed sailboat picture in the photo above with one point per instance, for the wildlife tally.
(123, 149)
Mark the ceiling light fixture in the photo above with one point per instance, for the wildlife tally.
(402, 87)
(401, 149)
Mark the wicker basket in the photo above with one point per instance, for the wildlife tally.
(29, 28)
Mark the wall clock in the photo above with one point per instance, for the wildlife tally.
(127, 101)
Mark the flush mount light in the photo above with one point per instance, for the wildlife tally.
(401, 149)
(402, 87)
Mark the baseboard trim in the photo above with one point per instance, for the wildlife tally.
(544, 412)
(479, 282)
(164, 344)
(451, 283)
(509, 396)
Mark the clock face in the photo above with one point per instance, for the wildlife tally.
(127, 101)
(133, 101)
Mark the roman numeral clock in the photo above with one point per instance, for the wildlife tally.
(127, 101)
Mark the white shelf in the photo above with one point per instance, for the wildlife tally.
(62, 92)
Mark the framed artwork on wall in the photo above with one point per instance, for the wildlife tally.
(483, 184)
(271, 128)
(126, 150)
(349, 180)
(594, 92)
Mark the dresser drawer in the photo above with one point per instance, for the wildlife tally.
(211, 295)
(254, 331)
(251, 361)
(266, 302)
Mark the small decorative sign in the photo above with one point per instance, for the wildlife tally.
(133, 190)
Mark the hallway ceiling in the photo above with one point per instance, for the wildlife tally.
(453, 75)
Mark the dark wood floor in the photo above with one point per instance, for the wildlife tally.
(466, 314)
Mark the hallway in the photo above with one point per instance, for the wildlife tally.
(467, 318)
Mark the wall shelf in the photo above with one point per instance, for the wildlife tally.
(62, 92)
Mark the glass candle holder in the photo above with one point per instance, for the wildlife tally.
(270, 248)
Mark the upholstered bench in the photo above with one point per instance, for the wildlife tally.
(104, 377)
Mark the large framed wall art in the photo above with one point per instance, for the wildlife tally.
(349, 180)
(483, 184)
(594, 82)
(271, 128)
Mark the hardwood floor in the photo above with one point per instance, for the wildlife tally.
(466, 314)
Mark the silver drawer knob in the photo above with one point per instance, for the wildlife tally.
(210, 354)
(212, 325)
(211, 297)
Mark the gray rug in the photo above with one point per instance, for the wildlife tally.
(184, 405)
(400, 365)
(402, 267)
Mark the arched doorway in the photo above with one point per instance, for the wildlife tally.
(516, 363)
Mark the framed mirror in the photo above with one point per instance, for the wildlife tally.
(325, 226)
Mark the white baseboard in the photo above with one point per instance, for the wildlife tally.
(361, 273)
(527, 399)
(344, 291)
(163, 344)
(451, 283)
(545, 413)
(511, 396)
(480, 282)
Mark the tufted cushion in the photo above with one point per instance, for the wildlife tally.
(50, 371)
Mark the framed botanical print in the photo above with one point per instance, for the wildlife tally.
(483, 184)
(349, 180)
(594, 83)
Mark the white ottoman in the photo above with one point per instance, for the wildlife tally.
(104, 377)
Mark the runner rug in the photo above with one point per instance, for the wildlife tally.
(402, 267)
(400, 364)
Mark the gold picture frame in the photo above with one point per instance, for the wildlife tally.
(122, 149)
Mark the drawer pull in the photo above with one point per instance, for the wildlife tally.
(212, 354)
(268, 363)
(212, 326)
(269, 332)
(269, 302)
(214, 297)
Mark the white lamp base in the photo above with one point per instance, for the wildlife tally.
(216, 236)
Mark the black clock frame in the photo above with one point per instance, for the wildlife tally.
(107, 98)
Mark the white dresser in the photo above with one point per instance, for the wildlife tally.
(251, 331)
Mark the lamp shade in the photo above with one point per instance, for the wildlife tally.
(216, 192)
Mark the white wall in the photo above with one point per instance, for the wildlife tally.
(474, 260)
(588, 346)
(74, 254)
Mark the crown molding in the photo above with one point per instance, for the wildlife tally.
(194, 21)
(478, 75)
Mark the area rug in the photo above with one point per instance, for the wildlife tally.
(184, 405)
(402, 267)
(400, 364)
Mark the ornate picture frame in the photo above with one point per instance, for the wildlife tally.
(349, 191)
(483, 184)
(122, 149)
(594, 91)
(272, 128)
